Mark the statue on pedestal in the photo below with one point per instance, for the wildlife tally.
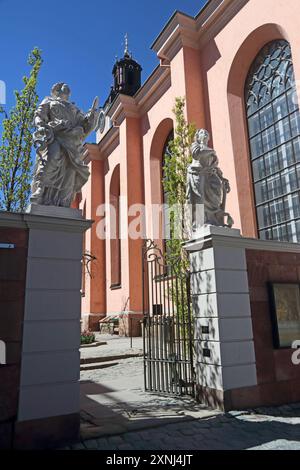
(206, 185)
(61, 128)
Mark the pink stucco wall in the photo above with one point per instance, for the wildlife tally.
(210, 71)
(116, 299)
(226, 60)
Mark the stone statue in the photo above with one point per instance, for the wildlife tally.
(61, 128)
(206, 184)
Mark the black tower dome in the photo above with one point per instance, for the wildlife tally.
(127, 76)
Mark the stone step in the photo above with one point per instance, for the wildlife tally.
(92, 360)
(93, 345)
(98, 365)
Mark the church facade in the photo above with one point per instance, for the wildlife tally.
(237, 65)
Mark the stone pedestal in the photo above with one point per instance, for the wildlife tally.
(48, 412)
(224, 348)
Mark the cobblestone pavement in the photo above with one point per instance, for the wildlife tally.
(113, 401)
(269, 429)
(118, 415)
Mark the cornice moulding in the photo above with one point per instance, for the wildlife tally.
(92, 152)
(109, 142)
(56, 223)
(29, 221)
(157, 76)
(207, 13)
(242, 242)
(211, 24)
(123, 106)
(159, 84)
(184, 33)
(12, 219)
(183, 30)
(176, 20)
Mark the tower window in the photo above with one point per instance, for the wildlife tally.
(130, 77)
(120, 75)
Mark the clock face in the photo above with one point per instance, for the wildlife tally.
(101, 121)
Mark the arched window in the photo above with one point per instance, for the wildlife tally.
(130, 76)
(165, 153)
(120, 77)
(115, 241)
(157, 152)
(165, 200)
(274, 133)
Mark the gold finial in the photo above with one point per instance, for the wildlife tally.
(126, 44)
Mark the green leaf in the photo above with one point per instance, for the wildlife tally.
(16, 141)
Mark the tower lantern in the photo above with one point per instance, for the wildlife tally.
(127, 73)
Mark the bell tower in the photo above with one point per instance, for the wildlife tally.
(127, 73)
(126, 80)
(126, 76)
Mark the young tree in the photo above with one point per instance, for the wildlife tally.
(176, 162)
(16, 142)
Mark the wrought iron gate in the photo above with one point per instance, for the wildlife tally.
(167, 325)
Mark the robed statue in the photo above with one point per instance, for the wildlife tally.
(61, 128)
(206, 186)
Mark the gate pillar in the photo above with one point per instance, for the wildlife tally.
(49, 394)
(224, 347)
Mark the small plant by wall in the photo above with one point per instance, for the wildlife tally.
(87, 337)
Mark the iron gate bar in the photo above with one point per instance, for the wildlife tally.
(167, 325)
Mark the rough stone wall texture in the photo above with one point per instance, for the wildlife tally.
(12, 295)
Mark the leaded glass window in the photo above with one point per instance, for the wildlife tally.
(274, 134)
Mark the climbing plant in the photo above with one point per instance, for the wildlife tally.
(176, 162)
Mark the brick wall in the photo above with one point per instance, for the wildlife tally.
(12, 295)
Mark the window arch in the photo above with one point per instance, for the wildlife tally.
(274, 133)
(115, 241)
(165, 153)
(167, 229)
(157, 151)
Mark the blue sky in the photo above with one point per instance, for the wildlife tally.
(80, 39)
